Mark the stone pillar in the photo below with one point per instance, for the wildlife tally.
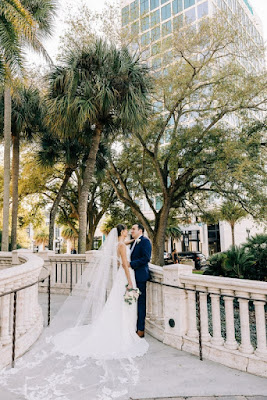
(216, 339)
(160, 304)
(191, 312)
(149, 299)
(154, 314)
(175, 304)
(230, 342)
(245, 346)
(261, 350)
(205, 335)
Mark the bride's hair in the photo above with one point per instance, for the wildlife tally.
(120, 228)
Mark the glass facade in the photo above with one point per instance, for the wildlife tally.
(158, 19)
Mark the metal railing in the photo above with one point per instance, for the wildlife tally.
(198, 305)
(14, 292)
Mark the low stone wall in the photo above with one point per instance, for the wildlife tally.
(172, 316)
(29, 314)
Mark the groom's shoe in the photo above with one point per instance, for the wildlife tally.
(141, 333)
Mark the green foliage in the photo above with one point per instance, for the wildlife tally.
(244, 262)
(217, 265)
(257, 248)
(231, 212)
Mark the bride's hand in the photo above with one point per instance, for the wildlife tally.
(130, 286)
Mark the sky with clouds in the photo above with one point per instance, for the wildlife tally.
(260, 7)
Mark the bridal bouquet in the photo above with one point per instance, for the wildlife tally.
(131, 295)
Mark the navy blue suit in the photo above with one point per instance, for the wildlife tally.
(140, 258)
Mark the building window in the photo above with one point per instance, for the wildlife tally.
(166, 28)
(188, 3)
(135, 28)
(125, 15)
(154, 4)
(145, 24)
(145, 39)
(144, 6)
(178, 22)
(154, 18)
(155, 49)
(156, 63)
(177, 6)
(166, 12)
(202, 9)
(134, 10)
(155, 34)
(190, 15)
(158, 202)
(164, 1)
(166, 43)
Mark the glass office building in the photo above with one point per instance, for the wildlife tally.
(153, 22)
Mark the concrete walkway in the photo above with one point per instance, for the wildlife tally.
(167, 373)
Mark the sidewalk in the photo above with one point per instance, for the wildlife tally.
(166, 373)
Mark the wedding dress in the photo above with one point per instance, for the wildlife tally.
(113, 334)
(91, 349)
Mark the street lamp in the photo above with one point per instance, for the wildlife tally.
(248, 232)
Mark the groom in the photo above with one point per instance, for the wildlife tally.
(140, 257)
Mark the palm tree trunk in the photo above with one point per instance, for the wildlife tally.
(53, 211)
(233, 234)
(7, 145)
(87, 179)
(15, 192)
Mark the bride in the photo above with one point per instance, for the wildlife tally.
(89, 350)
(111, 331)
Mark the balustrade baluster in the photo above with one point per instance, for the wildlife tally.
(230, 342)
(5, 317)
(191, 312)
(261, 350)
(245, 346)
(216, 339)
(205, 335)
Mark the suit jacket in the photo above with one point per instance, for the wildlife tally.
(140, 258)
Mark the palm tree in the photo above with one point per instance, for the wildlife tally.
(41, 237)
(25, 121)
(52, 151)
(69, 234)
(173, 232)
(100, 87)
(232, 213)
(21, 22)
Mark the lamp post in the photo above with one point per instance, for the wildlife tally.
(248, 232)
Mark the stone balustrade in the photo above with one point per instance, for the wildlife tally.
(65, 269)
(226, 308)
(29, 314)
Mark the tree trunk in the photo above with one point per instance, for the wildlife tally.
(15, 191)
(158, 242)
(90, 239)
(87, 179)
(233, 234)
(53, 211)
(7, 145)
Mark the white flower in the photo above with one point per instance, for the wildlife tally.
(138, 241)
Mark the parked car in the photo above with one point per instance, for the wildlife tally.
(167, 257)
(199, 258)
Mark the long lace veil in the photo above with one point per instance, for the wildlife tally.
(44, 374)
(90, 293)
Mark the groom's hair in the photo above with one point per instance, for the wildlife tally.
(140, 227)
